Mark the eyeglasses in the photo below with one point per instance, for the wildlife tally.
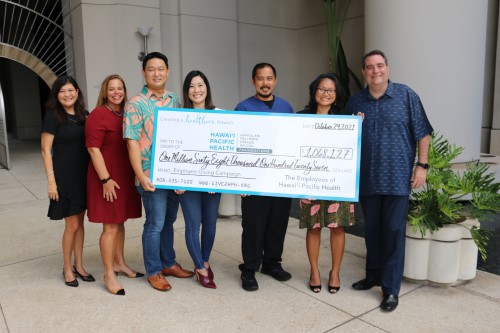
(328, 91)
(69, 91)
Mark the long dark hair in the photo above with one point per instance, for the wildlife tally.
(338, 106)
(187, 103)
(53, 101)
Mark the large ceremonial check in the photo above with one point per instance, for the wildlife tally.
(257, 153)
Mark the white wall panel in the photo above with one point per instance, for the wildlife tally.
(210, 45)
(274, 45)
(169, 7)
(79, 49)
(114, 48)
(171, 47)
(224, 9)
(223, 38)
(438, 49)
(312, 60)
(276, 13)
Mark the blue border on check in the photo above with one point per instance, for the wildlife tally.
(206, 189)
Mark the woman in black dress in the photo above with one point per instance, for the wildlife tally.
(65, 160)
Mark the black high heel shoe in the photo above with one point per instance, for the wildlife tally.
(332, 289)
(86, 278)
(314, 289)
(73, 283)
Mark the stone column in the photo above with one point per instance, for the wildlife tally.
(106, 42)
(438, 49)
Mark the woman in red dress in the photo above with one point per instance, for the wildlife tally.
(111, 194)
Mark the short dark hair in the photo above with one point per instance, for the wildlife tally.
(153, 55)
(262, 65)
(187, 103)
(340, 96)
(54, 104)
(372, 53)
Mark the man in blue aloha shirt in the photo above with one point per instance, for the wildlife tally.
(394, 125)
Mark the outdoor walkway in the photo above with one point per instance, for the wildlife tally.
(33, 297)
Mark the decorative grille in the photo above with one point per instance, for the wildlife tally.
(40, 28)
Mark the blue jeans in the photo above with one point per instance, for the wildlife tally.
(200, 208)
(161, 208)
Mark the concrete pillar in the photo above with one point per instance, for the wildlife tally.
(202, 35)
(438, 49)
(106, 42)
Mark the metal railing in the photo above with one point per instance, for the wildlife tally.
(42, 29)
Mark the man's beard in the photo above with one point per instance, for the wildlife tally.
(265, 95)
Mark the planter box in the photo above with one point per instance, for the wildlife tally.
(448, 257)
(230, 205)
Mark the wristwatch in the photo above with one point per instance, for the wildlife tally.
(105, 180)
(422, 165)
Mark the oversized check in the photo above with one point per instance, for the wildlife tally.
(257, 153)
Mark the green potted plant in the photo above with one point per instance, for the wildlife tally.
(451, 199)
(335, 14)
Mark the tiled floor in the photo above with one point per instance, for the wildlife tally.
(33, 297)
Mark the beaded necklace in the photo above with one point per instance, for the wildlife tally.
(116, 113)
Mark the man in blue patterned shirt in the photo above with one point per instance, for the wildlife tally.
(394, 125)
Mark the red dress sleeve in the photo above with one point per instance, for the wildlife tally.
(95, 129)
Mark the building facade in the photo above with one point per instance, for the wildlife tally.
(446, 50)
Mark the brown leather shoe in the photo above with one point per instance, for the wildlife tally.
(159, 282)
(177, 271)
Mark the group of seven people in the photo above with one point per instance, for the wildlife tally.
(101, 162)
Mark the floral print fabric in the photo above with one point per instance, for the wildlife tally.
(138, 120)
(325, 213)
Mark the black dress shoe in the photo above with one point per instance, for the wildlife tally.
(248, 281)
(365, 284)
(276, 272)
(389, 303)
